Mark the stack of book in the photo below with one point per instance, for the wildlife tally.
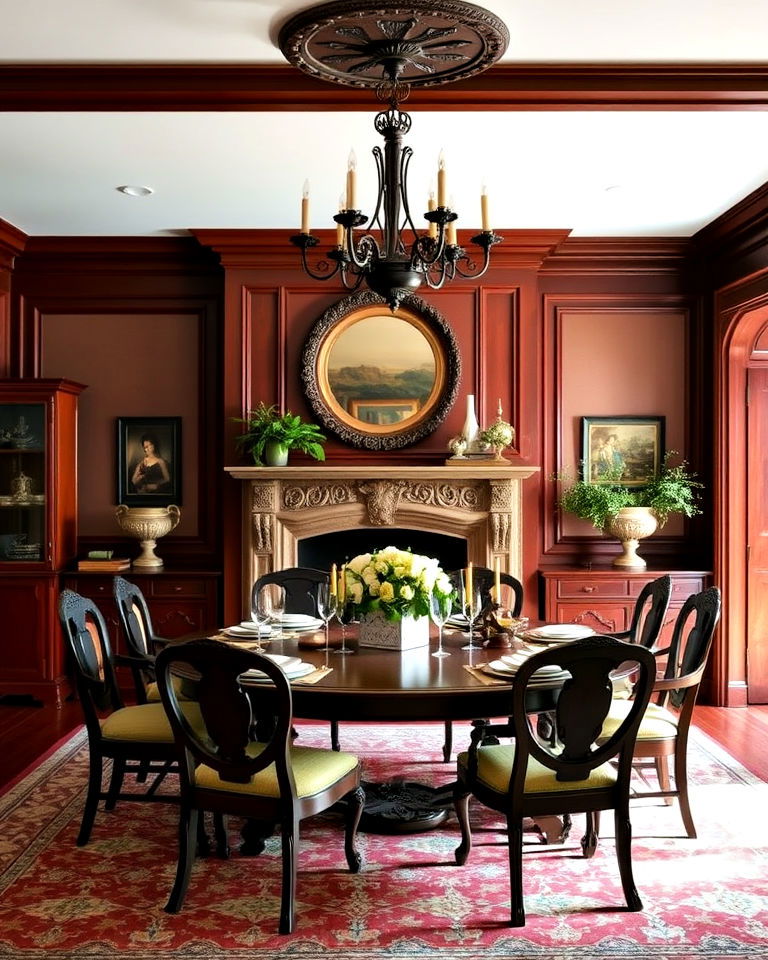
(103, 561)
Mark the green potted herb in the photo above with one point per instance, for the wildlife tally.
(633, 514)
(270, 436)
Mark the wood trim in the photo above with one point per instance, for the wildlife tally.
(280, 87)
(625, 256)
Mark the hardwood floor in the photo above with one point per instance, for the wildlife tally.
(26, 733)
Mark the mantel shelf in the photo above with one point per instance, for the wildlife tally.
(372, 472)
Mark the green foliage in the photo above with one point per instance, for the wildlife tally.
(674, 490)
(266, 425)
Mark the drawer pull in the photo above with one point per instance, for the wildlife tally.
(587, 589)
(177, 589)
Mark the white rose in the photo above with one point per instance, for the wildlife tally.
(374, 588)
(406, 592)
(443, 584)
(369, 575)
(357, 564)
(356, 591)
(381, 566)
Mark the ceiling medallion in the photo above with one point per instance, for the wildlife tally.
(392, 49)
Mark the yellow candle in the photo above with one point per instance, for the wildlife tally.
(497, 579)
(351, 181)
(469, 580)
(339, 226)
(305, 208)
(484, 209)
(441, 180)
(343, 583)
(431, 206)
(333, 580)
(450, 233)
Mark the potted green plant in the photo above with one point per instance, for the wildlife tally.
(632, 514)
(270, 436)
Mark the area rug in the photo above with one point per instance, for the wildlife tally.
(705, 898)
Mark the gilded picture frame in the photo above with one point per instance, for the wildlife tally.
(627, 450)
(379, 379)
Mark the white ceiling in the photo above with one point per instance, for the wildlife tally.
(599, 173)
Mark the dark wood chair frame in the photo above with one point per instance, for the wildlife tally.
(485, 577)
(140, 639)
(582, 706)
(230, 714)
(678, 688)
(99, 694)
(648, 616)
(300, 585)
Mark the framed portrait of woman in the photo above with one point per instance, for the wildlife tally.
(149, 461)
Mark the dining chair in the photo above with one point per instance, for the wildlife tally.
(223, 769)
(300, 585)
(140, 638)
(137, 739)
(534, 776)
(485, 578)
(665, 725)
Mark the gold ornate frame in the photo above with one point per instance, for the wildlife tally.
(418, 423)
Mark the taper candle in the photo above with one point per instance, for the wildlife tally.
(333, 580)
(450, 230)
(497, 579)
(340, 226)
(342, 592)
(431, 206)
(305, 208)
(441, 180)
(351, 180)
(469, 581)
(484, 209)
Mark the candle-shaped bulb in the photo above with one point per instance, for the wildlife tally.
(431, 204)
(441, 179)
(351, 181)
(305, 207)
(484, 208)
(499, 409)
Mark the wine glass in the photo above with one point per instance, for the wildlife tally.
(472, 605)
(326, 607)
(440, 606)
(344, 616)
(270, 604)
(261, 619)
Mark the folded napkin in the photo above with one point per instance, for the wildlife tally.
(314, 676)
(483, 677)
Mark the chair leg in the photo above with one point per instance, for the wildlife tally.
(515, 843)
(461, 806)
(95, 773)
(662, 775)
(115, 783)
(624, 856)
(290, 854)
(355, 799)
(188, 824)
(448, 741)
(591, 833)
(681, 785)
(335, 736)
(142, 772)
(220, 834)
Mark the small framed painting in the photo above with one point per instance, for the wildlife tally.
(626, 450)
(149, 461)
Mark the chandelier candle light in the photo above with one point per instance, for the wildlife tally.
(418, 44)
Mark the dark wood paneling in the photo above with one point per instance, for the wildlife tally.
(505, 86)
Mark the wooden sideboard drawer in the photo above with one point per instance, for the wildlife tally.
(682, 587)
(592, 588)
(181, 587)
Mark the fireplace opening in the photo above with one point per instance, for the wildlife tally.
(341, 545)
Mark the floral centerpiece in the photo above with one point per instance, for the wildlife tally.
(390, 590)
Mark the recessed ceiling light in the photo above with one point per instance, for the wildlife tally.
(130, 190)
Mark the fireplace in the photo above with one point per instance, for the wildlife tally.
(479, 504)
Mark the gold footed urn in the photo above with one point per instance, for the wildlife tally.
(630, 526)
(147, 525)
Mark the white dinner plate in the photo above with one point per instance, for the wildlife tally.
(560, 631)
(537, 680)
(252, 627)
(293, 672)
(300, 620)
(510, 665)
(241, 633)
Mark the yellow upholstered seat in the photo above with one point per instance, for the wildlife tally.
(658, 723)
(184, 688)
(146, 723)
(494, 768)
(314, 770)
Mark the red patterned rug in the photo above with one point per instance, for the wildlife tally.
(705, 898)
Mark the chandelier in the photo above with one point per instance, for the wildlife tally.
(421, 43)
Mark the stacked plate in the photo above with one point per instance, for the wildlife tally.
(300, 622)
(507, 667)
(457, 621)
(558, 633)
(292, 667)
(248, 630)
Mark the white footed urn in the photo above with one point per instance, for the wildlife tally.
(147, 525)
(631, 525)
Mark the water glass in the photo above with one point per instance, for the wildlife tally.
(440, 607)
(270, 605)
(472, 606)
(344, 614)
(326, 607)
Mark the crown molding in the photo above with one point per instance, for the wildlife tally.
(12, 243)
(625, 256)
(275, 87)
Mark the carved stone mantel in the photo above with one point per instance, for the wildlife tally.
(282, 505)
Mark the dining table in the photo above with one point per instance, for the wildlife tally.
(378, 685)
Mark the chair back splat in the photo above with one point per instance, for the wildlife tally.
(224, 769)
(300, 585)
(569, 772)
(650, 609)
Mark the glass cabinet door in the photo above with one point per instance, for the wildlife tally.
(23, 536)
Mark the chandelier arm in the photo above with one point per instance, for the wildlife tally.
(323, 271)
(405, 159)
(435, 274)
(378, 156)
(365, 251)
(427, 250)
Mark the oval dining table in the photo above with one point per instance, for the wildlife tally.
(375, 685)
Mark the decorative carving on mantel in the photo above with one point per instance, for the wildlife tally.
(304, 496)
(501, 495)
(263, 496)
(500, 526)
(453, 496)
(382, 499)
(262, 532)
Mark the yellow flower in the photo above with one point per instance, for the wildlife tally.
(387, 592)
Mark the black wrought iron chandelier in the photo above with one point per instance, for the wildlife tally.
(418, 44)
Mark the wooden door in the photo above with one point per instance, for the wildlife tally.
(757, 534)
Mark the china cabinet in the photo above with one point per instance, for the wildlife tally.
(38, 530)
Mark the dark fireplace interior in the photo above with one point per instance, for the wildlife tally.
(341, 545)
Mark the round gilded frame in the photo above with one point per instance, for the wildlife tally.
(338, 418)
